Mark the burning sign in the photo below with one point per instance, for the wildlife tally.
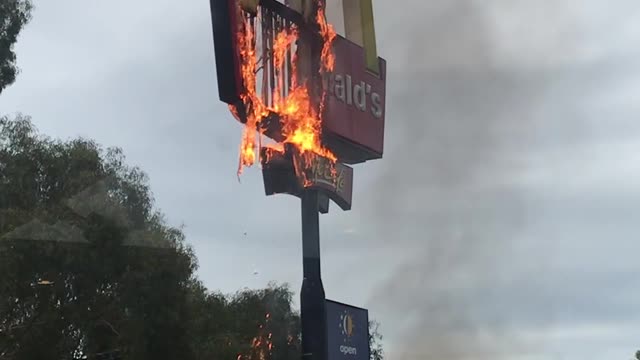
(304, 94)
(279, 92)
(336, 179)
(290, 172)
(295, 81)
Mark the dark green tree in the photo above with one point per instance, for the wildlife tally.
(88, 267)
(14, 15)
(246, 324)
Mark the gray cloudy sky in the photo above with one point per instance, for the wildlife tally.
(502, 222)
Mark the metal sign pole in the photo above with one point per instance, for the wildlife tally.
(352, 136)
(312, 297)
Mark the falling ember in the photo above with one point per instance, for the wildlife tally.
(280, 95)
(261, 345)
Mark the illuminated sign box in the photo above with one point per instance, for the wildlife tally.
(347, 332)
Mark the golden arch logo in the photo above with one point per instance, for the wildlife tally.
(347, 327)
(357, 16)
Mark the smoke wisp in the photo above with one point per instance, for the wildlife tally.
(446, 198)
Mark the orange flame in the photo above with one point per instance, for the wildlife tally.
(328, 34)
(300, 120)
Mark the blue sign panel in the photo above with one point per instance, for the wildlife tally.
(347, 332)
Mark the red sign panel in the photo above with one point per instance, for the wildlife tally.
(355, 103)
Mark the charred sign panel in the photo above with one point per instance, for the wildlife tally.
(288, 173)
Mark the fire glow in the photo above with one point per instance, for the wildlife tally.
(290, 101)
(261, 345)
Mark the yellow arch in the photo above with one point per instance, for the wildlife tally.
(360, 28)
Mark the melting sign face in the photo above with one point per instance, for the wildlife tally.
(348, 332)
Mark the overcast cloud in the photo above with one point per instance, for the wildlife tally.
(501, 223)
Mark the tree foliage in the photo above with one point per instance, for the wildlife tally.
(91, 270)
(14, 15)
(375, 344)
(88, 266)
(249, 323)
